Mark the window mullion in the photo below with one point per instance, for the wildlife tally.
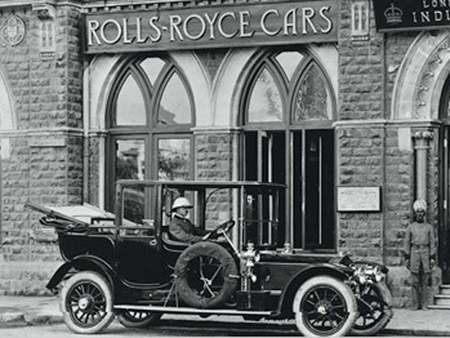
(303, 185)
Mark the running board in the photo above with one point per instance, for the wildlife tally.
(188, 310)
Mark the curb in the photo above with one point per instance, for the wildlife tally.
(21, 319)
(37, 320)
(12, 319)
(16, 319)
(417, 333)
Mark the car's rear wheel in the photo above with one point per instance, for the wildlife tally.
(87, 303)
(324, 306)
(138, 319)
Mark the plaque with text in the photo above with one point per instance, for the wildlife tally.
(408, 15)
(359, 199)
(214, 26)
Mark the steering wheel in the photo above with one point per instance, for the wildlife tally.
(223, 227)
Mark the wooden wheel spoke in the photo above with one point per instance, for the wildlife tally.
(216, 274)
(339, 315)
(317, 295)
(333, 298)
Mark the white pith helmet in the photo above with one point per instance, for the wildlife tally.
(181, 202)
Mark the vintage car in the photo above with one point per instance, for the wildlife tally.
(126, 263)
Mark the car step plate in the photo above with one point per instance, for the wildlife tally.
(170, 309)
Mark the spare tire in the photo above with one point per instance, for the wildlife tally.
(206, 275)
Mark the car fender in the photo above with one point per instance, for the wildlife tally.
(287, 296)
(82, 263)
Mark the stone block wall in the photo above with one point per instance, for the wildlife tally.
(361, 71)
(43, 152)
(360, 147)
(398, 193)
(214, 156)
(94, 175)
(360, 163)
(214, 161)
(378, 153)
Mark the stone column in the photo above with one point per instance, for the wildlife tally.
(421, 145)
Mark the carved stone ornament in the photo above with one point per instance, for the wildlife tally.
(13, 30)
(423, 135)
(44, 10)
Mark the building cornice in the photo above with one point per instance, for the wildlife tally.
(47, 132)
(414, 123)
(5, 4)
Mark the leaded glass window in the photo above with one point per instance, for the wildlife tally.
(312, 100)
(150, 115)
(175, 107)
(288, 138)
(265, 99)
(130, 104)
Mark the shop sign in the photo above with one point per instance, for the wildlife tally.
(211, 27)
(397, 15)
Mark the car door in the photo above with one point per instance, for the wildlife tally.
(139, 255)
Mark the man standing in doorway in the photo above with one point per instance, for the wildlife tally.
(420, 252)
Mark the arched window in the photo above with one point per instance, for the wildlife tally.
(150, 114)
(287, 110)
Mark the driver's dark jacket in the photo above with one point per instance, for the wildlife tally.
(181, 229)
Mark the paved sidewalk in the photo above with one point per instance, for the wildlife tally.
(22, 311)
(17, 311)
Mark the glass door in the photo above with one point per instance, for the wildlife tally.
(444, 233)
(266, 162)
(313, 189)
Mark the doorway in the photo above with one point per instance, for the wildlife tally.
(444, 224)
(303, 160)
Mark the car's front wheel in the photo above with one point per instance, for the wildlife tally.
(324, 306)
(138, 319)
(87, 303)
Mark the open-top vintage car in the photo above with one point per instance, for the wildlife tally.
(127, 264)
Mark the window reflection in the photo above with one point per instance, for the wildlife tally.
(175, 105)
(130, 106)
(134, 205)
(265, 100)
(174, 159)
(130, 159)
(130, 164)
(313, 101)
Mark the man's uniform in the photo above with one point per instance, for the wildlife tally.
(420, 248)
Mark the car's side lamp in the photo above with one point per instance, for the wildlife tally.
(287, 249)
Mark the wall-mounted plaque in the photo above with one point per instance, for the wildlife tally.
(359, 199)
(409, 15)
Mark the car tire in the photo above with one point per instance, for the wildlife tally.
(136, 319)
(379, 297)
(321, 300)
(86, 302)
(206, 275)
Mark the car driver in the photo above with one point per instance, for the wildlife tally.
(181, 228)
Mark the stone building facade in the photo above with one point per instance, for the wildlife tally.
(64, 138)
